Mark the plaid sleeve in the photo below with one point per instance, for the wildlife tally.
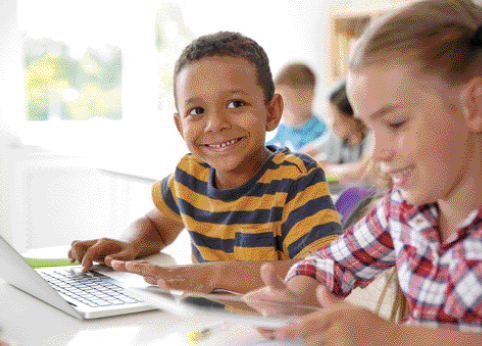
(355, 258)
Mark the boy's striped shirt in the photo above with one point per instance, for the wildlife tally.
(285, 211)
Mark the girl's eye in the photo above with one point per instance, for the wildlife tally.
(236, 104)
(397, 125)
(196, 111)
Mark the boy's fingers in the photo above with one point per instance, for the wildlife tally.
(120, 266)
(162, 284)
(143, 268)
(163, 277)
(150, 281)
(78, 249)
(124, 255)
(76, 254)
(94, 253)
(270, 278)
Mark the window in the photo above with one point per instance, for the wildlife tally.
(172, 35)
(68, 83)
(112, 92)
(98, 74)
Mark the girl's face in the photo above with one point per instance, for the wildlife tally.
(419, 134)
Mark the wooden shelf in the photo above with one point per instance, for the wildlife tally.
(347, 23)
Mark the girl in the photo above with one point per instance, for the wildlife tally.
(415, 79)
(342, 150)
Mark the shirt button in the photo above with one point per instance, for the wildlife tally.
(419, 220)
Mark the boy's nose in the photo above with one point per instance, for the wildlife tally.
(217, 121)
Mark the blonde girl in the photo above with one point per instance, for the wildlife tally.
(415, 79)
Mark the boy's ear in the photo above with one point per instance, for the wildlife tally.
(177, 120)
(275, 110)
(472, 104)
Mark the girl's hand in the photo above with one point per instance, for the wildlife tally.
(275, 299)
(339, 323)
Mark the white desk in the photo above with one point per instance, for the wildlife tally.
(30, 322)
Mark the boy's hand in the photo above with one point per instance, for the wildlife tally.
(339, 323)
(100, 250)
(194, 277)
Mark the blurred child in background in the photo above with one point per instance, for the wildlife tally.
(343, 149)
(299, 126)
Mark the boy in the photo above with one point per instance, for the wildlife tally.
(242, 202)
(296, 84)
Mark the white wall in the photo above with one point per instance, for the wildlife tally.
(11, 82)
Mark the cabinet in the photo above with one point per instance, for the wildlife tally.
(348, 19)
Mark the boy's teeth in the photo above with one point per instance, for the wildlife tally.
(222, 145)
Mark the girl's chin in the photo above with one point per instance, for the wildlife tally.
(414, 198)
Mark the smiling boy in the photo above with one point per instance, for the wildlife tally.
(243, 203)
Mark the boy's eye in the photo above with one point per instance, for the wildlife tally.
(196, 111)
(236, 104)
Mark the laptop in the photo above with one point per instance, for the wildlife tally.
(84, 296)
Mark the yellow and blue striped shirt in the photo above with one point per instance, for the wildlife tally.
(285, 211)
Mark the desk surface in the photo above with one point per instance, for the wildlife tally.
(28, 321)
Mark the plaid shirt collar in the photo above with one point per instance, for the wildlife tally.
(418, 215)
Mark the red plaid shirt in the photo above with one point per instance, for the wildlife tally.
(442, 281)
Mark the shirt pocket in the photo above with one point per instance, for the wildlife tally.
(255, 245)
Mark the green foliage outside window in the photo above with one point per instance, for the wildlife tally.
(59, 86)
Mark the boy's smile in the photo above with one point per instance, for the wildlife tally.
(223, 117)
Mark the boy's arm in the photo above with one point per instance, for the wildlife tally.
(152, 232)
(236, 276)
(146, 235)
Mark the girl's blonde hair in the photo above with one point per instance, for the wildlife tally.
(439, 35)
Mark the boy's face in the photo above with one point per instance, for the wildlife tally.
(223, 117)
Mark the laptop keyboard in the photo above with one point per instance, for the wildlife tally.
(92, 288)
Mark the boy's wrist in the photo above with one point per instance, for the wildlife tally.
(138, 248)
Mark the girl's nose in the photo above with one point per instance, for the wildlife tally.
(381, 149)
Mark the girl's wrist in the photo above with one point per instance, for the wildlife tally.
(395, 335)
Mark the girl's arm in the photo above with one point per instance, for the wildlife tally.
(341, 323)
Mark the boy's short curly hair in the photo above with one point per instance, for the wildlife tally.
(232, 44)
